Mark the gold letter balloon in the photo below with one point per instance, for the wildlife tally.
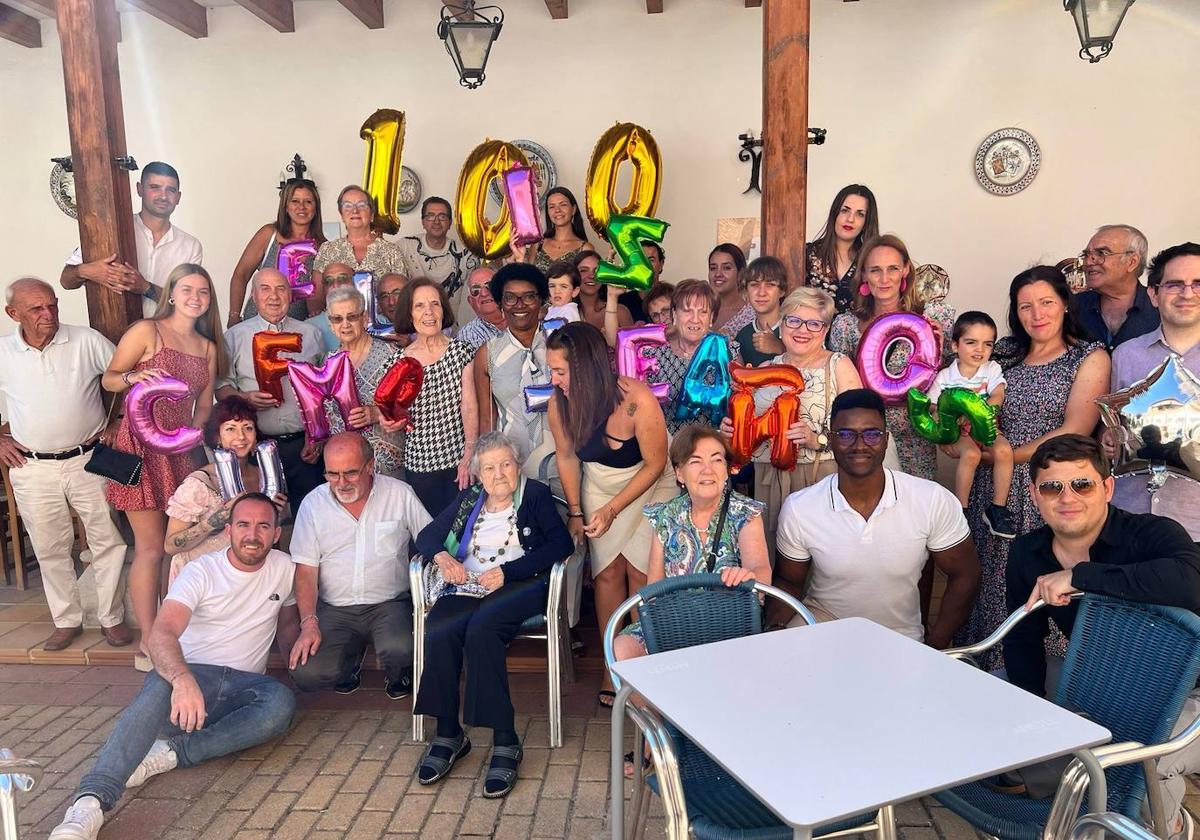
(384, 133)
(487, 239)
(623, 142)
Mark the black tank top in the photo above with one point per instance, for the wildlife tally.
(597, 450)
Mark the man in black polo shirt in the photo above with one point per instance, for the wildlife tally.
(1087, 545)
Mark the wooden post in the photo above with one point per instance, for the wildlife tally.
(87, 30)
(785, 132)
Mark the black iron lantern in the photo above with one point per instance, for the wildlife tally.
(1097, 22)
(468, 33)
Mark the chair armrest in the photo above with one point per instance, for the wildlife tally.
(610, 633)
(1131, 751)
(969, 652)
(788, 600)
(1094, 826)
(1085, 772)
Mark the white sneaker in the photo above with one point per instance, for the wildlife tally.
(160, 759)
(82, 822)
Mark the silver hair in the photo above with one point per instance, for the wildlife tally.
(25, 283)
(1137, 244)
(488, 441)
(343, 294)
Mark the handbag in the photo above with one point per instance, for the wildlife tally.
(114, 464)
(436, 586)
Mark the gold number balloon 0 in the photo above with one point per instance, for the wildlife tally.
(384, 133)
(623, 142)
(486, 238)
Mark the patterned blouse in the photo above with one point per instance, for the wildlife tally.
(685, 551)
(543, 260)
(437, 439)
(734, 325)
(820, 387)
(382, 257)
(821, 277)
(388, 446)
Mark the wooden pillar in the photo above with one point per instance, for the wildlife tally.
(785, 132)
(87, 30)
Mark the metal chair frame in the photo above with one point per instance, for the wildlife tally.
(1085, 774)
(16, 774)
(1095, 826)
(651, 732)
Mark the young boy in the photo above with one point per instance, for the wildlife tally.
(763, 283)
(563, 280)
(972, 339)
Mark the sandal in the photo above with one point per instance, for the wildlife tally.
(438, 765)
(504, 776)
(646, 762)
(606, 698)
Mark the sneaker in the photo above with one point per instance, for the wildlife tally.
(82, 821)
(160, 759)
(353, 680)
(999, 522)
(401, 688)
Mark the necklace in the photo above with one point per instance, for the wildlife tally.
(512, 532)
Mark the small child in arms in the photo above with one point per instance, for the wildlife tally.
(563, 280)
(972, 339)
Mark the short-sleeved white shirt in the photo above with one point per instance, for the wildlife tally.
(986, 380)
(234, 613)
(870, 568)
(364, 560)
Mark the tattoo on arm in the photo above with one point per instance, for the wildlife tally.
(631, 408)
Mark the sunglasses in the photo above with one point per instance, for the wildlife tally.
(849, 437)
(1081, 487)
(477, 291)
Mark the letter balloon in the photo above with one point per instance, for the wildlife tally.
(139, 408)
(367, 285)
(626, 234)
(313, 385)
(537, 398)
(229, 473)
(269, 367)
(630, 361)
(399, 388)
(704, 392)
(520, 196)
(486, 238)
(623, 142)
(953, 404)
(295, 263)
(749, 430)
(271, 481)
(384, 133)
(876, 344)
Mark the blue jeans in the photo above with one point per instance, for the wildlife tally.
(243, 710)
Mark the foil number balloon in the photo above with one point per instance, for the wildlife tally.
(623, 142)
(953, 404)
(626, 234)
(876, 345)
(484, 237)
(748, 430)
(139, 406)
(384, 133)
(333, 380)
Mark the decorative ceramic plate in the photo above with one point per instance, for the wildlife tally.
(544, 171)
(1007, 161)
(933, 283)
(1072, 269)
(62, 190)
(410, 190)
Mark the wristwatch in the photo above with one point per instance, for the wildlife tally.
(822, 441)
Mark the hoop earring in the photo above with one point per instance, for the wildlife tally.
(171, 301)
(863, 290)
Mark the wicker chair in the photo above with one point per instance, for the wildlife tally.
(699, 796)
(1129, 667)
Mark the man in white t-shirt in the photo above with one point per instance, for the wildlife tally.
(161, 246)
(860, 539)
(350, 544)
(209, 694)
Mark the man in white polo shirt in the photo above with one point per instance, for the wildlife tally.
(160, 245)
(861, 537)
(50, 380)
(350, 545)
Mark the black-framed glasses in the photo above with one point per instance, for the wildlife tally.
(794, 322)
(1081, 487)
(848, 437)
(349, 475)
(391, 295)
(436, 217)
(1100, 254)
(1177, 287)
(527, 298)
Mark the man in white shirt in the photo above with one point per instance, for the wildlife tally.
(861, 538)
(350, 545)
(209, 693)
(279, 421)
(50, 379)
(439, 256)
(160, 245)
(489, 320)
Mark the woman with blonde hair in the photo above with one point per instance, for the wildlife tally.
(182, 340)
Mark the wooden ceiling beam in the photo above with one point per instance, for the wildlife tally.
(370, 12)
(753, 4)
(654, 7)
(19, 27)
(557, 9)
(188, 16)
(45, 8)
(278, 14)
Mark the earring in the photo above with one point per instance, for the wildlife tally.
(863, 290)
(171, 301)
(903, 285)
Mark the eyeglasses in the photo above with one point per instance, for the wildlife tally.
(527, 298)
(356, 205)
(479, 291)
(1081, 487)
(1177, 287)
(335, 320)
(436, 217)
(330, 279)
(349, 475)
(391, 295)
(1099, 254)
(848, 437)
(793, 322)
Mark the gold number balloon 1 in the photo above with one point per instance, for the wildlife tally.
(486, 238)
(623, 142)
(384, 133)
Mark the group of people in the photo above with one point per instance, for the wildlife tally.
(855, 529)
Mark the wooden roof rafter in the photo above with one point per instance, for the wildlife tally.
(20, 28)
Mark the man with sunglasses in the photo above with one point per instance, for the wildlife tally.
(350, 546)
(1087, 545)
(1115, 307)
(861, 538)
(489, 318)
(439, 256)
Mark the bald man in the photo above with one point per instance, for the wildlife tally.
(278, 420)
(50, 381)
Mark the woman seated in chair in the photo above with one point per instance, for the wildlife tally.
(491, 550)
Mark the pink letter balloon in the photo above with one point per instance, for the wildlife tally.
(295, 263)
(520, 194)
(631, 362)
(875, 345)
(333, 380)
(139, 406)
